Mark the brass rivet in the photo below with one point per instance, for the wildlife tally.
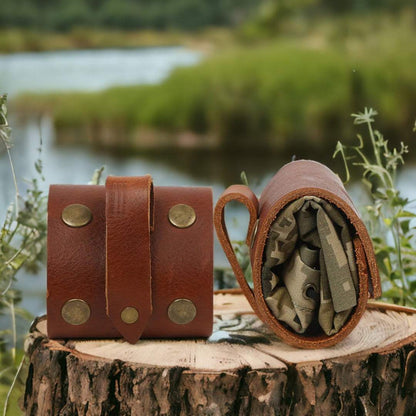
(182, 215)
(76, 215)
(129, 315)
(75, 312)
(182, 311)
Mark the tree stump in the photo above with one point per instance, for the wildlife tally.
(243, 369)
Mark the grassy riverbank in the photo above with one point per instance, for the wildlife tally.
(21, 40)
(292, 92)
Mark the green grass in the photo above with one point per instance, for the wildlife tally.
(23, 40)
(8, 368)
(20, 40)
(294, 91)
(13, 408)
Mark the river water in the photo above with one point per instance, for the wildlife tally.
(89, 70)
(95, 70)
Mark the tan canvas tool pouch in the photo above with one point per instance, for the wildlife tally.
(312, 260)
(129, 260)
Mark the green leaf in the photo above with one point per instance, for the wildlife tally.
(394, 292)
(398, 200)
(377, 240)
(404, 225)
(38, 166)
(244, 179)
(97, 176)
(383, 263)
(396, 275)
(340, 149)
(405, 214)
(388, 222)
(365, 117)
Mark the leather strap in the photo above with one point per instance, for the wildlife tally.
(246, 196)
(129, 217)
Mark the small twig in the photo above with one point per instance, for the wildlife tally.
(17, 194)
(6, 402)
(97, 175)
(5, 137)
(14, 256)
(244, 179)
(14, 332)
(8, 286)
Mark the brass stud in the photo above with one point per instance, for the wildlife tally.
(182, 311)
(75, 312)
(76, 215)
(182, 215)
(129, 315)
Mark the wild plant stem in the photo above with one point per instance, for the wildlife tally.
(399, 257)
(395, 229)
(13, 233)
(22, 248)
(389, 214)
(14, 179)
(373, 141)
(6, 402)
(13, 314)
(9, 285)
(14, 256)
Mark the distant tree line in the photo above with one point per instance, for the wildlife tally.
(339, 6)
(62, 15)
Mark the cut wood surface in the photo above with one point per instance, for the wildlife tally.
(242, 369)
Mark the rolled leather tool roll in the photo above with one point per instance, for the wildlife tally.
(312, 259)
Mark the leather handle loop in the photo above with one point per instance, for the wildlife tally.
(129, 219)
(246, 196)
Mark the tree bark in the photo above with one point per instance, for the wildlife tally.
(242, 369)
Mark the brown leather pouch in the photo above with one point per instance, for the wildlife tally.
(129, 260)
(311, 183)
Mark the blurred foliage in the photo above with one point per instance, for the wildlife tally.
(277, 16)
(286, 94)
(391, 217)
(22, 245)
(63, 15)
(20, 40)
(12, 374)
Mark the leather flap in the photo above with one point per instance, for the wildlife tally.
(128, 263)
